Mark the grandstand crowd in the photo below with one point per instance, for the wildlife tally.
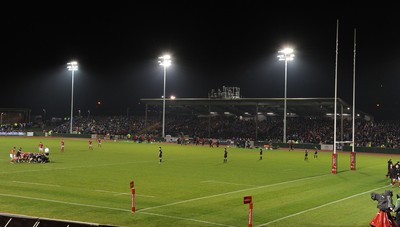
(302, 130)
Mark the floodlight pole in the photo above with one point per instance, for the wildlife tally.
(72, 66)
(166, 61)
(163, 116)
(44, 116)
(286, 55)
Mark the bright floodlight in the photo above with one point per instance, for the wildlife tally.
(72, 66)
(166, 60)
(286, 54)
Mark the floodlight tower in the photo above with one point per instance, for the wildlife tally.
(72, 66)
(165, 61)
(285, 55)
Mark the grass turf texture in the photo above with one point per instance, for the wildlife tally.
(192, 187)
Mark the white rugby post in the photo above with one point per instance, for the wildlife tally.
(353, 153)
(352, 142)
(334, 155)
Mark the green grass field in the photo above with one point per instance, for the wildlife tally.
(192, 187)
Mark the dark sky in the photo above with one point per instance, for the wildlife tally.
(229, 43)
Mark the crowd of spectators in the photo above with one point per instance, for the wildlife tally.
(303, 130)
(382, 133)
(16, 127)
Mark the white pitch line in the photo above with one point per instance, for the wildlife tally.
(123, 193)
(110, 208)
(223, 182)
(53, 185)
(232, 192)
(317, 207)
(74, 167)
(23, 182)
(62, 202)
(186, 219)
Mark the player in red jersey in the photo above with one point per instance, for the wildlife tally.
(62, 145)
(40, 146)
(12, 155)
(99, 142)
(90, 144)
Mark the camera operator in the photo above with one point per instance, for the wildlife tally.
(385, 205)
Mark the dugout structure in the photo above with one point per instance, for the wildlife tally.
(252, 108)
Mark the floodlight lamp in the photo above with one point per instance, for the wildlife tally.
(286, 54)
(72, 66)
(166, 60)
(287, 51)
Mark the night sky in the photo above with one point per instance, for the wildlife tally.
(230, 43)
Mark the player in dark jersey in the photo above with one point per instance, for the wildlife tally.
(316, 152)
(395, 174)
(306, 154)
(291, 145)
(225, 156)
(261, 153)
(389, 168)
(160, 155)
